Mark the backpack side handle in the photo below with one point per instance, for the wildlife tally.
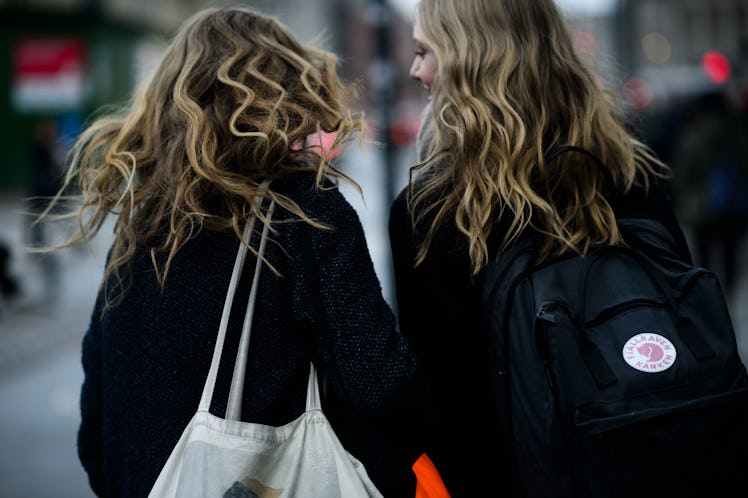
(609, 181)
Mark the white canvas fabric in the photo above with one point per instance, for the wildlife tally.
(227, 458)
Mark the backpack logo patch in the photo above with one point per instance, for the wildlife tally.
(649, 352)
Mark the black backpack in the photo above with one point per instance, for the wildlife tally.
(617, 374)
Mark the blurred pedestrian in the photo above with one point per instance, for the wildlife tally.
(711, 183)
(45, 173)
(230, 106)
(506, 87)
(9, 287)
(45, 177)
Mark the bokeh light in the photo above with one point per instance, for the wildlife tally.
(637, 92)
(656, 48)
(716, 66)
(585, 43)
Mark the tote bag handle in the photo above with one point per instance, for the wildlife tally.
(233, 409)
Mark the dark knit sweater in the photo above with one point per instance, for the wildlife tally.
(145, 361)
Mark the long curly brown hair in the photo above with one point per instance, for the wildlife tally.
(510, 87)
(233, 102)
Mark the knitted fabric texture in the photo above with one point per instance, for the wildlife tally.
(145, 361)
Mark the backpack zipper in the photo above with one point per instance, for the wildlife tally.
(551, 312)
(635, 303)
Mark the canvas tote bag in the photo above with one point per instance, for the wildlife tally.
(227, 458)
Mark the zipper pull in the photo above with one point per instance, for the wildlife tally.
(549, 313)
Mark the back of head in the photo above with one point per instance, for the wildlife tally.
(240, 84)
(510, 88)
(516, 56)
(231, 104)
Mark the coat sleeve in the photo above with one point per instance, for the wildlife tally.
(366, 361)
(90, 442)
(403, 260)
(375, 387)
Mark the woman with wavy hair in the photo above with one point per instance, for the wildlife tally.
(232, 104)
(506, 88)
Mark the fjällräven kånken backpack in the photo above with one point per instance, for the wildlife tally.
(617, 374)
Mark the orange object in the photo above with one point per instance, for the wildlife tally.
(429, 483)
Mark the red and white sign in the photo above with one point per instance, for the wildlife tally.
(48, 74)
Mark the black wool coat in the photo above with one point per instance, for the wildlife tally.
(145, 361)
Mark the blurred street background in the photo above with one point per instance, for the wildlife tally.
(679, 66)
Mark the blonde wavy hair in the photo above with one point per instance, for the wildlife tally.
(509, 89)
(233, 102)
